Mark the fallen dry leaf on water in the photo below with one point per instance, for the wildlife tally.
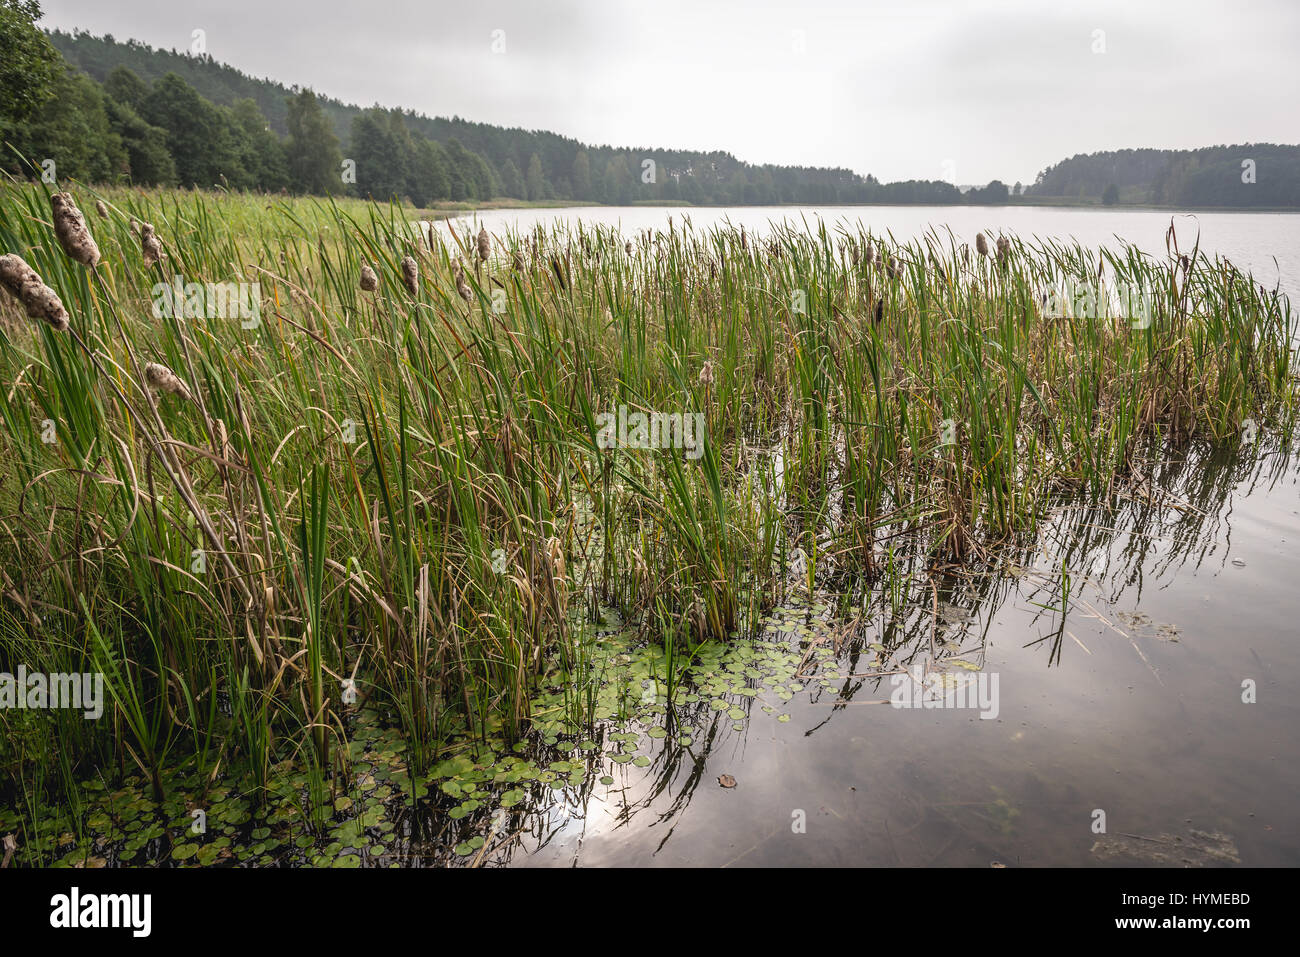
(727, 781)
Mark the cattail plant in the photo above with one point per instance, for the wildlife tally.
(162, 379)
(71, 232)
(25, 285)
(1004, 249)
(411, 274)
(101, 209)
(369, 280)
(462, 286)
(981, 244)
(484, 244)
(150, 245)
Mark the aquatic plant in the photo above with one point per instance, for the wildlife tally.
(402, 502)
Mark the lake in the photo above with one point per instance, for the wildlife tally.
(1251, 240)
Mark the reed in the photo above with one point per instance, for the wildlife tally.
(395, 476)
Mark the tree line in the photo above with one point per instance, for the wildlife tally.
(1251, 174)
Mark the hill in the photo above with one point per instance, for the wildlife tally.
(1252, 174)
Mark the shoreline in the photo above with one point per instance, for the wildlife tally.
(451, 211)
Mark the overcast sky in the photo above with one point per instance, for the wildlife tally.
(923, 89)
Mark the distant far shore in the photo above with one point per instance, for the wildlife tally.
(452, 209)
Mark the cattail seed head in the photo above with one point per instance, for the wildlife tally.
(150, 245)
(981, 244)
(462, 286)
(25, 285)
(411, 274)
(101, 209)
(1004, 248)
(706, 373)
(369, 281)
(162, 379)
(70, 229)
(484, 244)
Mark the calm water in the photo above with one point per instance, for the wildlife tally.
(1132, 705)
(1251, 240)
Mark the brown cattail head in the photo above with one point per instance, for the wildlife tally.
(369, 281)
(25, 285)
(70, 229)
(162, 379)
(706, 373)
(981, 244)
(135, 226)
(411, 274)
(1004, 249)
(869, 254)
(101, 209)
(518, 261)
(484, 244)
(462, 287)
(150, 245)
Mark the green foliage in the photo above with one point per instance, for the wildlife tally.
(313, 152)
(1245, 175)
(536, 179)
(261, 153)
(199, 134)
(30, 67)
(73, 129)
(385, 154)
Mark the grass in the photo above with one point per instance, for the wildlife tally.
(408, 490)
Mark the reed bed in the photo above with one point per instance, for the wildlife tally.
(387, 484)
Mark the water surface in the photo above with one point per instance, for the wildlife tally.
(1253, 241)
